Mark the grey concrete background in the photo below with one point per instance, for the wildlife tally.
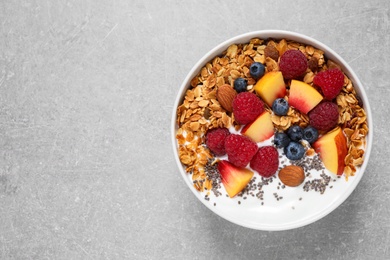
(86, 95)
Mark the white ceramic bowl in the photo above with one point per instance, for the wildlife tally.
(294, 212)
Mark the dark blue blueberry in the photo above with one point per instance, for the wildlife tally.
(310, 134)
(257, 70)
(240, 85)
(280, 107)
(294, 151)
(295, 133)
(281, 140)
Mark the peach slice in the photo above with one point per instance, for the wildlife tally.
(303, 96)
(271, 86)
(233, 178)
(261, 129)
(332, 148)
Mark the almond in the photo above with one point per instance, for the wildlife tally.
(292, 175)
(225, 96)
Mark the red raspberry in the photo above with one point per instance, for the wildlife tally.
(240, 149)
(265, 161)
(215, 140)
(247, 107)
(330, 81)
(324, 116)
(292, 64)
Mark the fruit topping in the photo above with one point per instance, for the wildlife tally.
(293, 64)
(215, 140)
(225, 96)
(257, 70)
(294, 151)
(261, 129)
(233, 178)
(325, 116)
(240, 85)
(265, 161)
(240, 149)
(310, 134)
(330, 81)
(303, 97)
(281, 139)
(280, 107)
(292, 175)
(332, 148)
(247, 107)
(270, 87)
(295, 133)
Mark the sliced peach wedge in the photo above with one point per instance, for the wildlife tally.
(270, 87)
(332, 148)
(233, 178)
(303, 97)
(261, 129)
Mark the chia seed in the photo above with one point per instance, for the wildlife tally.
(309, 163)
(318, 185)
(211, 169)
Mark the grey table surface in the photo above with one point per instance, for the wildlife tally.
(86, 95)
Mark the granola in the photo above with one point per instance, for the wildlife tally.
(200, 109)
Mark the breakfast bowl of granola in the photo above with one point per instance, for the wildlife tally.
(271, 130)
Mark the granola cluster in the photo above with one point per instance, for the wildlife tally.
(200, 109)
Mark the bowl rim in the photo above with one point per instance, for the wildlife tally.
(275, 34)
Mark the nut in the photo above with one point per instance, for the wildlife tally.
(225, 96)
(292, 175)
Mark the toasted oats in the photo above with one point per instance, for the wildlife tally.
(308, 78)
(310, 152)
(271, 64)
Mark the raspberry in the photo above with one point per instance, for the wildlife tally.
(265, 161)
(247, 107)
(215, 140)
(293, 64)
(330, 81)
(324, 116)
(240, 149)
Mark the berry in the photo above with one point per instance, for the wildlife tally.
(294, 151)
(257, 70)
(330, 81)
(293, 64)
(240, 85)
(324, 116)
(240, 149)
(265, 161)
(247, 107)
(281, 140)
(310, 134)
(295, 133)
(215, 140)
(280, 107)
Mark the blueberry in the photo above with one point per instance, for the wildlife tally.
(295, 133)
(240, 85)
(257, 70)
(294, 151)
(280, 106)
(310, 134)
(281, 140)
